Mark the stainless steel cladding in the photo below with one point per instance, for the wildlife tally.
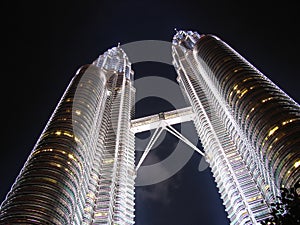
(81, 170)
(250, 129)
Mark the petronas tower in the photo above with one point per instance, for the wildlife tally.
(82, 168)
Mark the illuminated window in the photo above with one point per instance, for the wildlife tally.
(273, 130)
(297, 164)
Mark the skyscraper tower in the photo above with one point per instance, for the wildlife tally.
(249, 128)
(81, 169)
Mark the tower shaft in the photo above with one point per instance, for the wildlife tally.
(81, 170)
(241, 118)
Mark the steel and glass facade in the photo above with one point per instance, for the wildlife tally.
(81, 170)
(250, 129)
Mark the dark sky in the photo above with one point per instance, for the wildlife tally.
(44, 43)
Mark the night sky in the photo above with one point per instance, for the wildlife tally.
(44, 43)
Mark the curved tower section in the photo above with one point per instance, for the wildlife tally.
(81, 170)
(224, 91)
(268, 117)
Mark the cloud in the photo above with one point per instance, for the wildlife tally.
(159, 192)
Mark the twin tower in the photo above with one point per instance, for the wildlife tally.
(82, 168)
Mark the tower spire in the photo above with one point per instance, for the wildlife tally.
(187, 38)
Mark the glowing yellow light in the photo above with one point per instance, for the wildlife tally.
(68, 171)
(244, 92)
(36, 152)
(58, 132)
(58, 165)
(78, 112)
(249, 78)
(254, 198)
(88, 209)
(108, 161)
(71, 157)
(297, 164)
(44, 150)
(273, 130)
(267, 99)
(68, 134)
(288, 121)
(50, 180)
(76, 139)
(90, 195)
(101, 214)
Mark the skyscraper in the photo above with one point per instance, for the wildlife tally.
(82, 168)
(249, 128)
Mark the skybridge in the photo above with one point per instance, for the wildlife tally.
(160, 122)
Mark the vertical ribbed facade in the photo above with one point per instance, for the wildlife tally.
(81, 170)
(248, 126)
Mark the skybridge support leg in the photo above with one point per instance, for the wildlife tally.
(177, 134)
(156, 135)
(153, 139)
